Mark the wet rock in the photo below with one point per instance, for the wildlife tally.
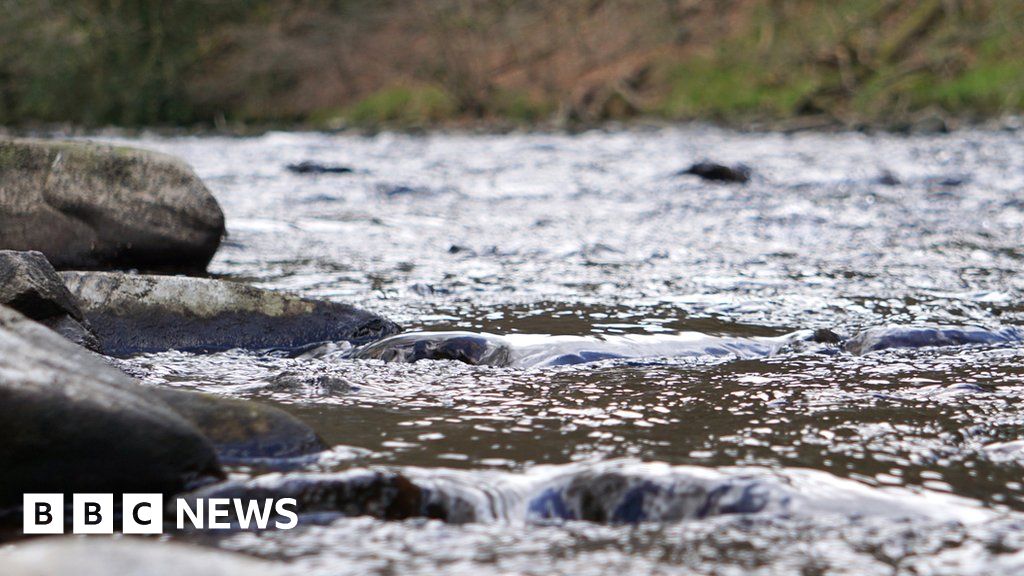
(607, 493)
(539, 350)
(615, 498)
(70, 556)
(825, 336)
(309, 167)
(242, 430)
(87, 205)
(311, 380)
(30, 285)
(614, 493)
(883, 338)
(947, 181)
(713, 171)
(888, 178)
(393, 190)
(379, 493)
(70, 422)
(467, 347)
(457, 249)
(138, 313)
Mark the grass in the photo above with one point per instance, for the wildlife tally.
(729, 90)
(402, 106)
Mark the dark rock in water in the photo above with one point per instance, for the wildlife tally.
(363, 492)
(70, 422)
(468, 347)
(948, 181)
(96, 556)
(393, 190)
(309, 167)
(137, 313)
(537, 350)
(825, 336)
(883, 338)
(713, 171)
(615, 498)
(30, 285)
(582, 357)
(243, 430)
(607, 493)
(88, 205)
(457, 249)
(887, 178)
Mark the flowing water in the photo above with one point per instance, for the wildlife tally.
(793, 461)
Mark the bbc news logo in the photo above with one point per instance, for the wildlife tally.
(143, 514)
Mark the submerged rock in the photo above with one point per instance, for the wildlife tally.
(615, 497)
(243, 430)
(30, 285)
(70, 556)
(477, 349)
(713, 171)
(536, 350)
(138, 313)
(888, 178)
(70, 422)
(87, 205)
(612, 492)
(309, 167)
(883, 338)
(379, 493)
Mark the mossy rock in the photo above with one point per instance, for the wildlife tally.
(87, 205)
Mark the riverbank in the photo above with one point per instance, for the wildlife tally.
(248, 66)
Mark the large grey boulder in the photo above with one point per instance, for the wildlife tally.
(70, 422)
(30, 285)
(87, 205)
(137, 313)
(75, 556)
(242, 430)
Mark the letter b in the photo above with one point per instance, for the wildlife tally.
(92, 514)
(43, 514)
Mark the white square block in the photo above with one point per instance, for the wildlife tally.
(92, 514)
(43, 514)
(142, 514)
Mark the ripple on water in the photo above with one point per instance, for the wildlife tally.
(593, 235)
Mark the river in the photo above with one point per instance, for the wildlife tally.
(903, 461)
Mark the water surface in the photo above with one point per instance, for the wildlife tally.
(912, 450)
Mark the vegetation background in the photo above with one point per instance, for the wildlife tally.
(336, 63)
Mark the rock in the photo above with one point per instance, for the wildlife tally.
(308, 167)
(71, 556)
(613, 497)
(242, 430)
(713, 171)
(477, 349)
(137, 313)
(360, 492)
(87, 205)
(886, 337)
(888, 178)
(30, 285)
(521, 350)
(70, 422)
